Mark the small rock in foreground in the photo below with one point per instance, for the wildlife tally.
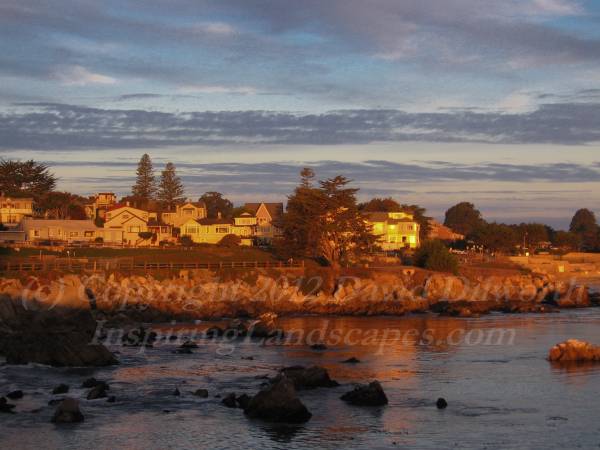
(441, 403)
(278, 403)
(68, 412)
(202, 393)
(574, 350)
(308, 378)
(60, 389)
(15, 395)
(366, 395)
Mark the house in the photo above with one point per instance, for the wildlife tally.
(59, 230)
(183, 213)
(102, 201)
(14, 209)
(130, 226)
(396, 230)
(211, 231)
(442, 232)
(267, 216)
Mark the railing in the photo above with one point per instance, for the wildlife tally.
(100, 265)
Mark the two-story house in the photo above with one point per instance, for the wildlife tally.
(14, 209)
(396, 230)
(183, 213)
(267, 217)
(211, 231)
(129, 226)
(101, 203)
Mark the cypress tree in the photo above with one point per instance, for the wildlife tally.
(170, 189)
(145, 184)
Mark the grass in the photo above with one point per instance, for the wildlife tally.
(195, 254)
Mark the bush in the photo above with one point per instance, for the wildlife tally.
(434, 255)
(186, 241)
(145, 235)
(230, 240)
(99, 240)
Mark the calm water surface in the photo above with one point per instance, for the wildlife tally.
(500, 396)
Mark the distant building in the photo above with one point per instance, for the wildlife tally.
(14, 209)
(442, 232)
(128, 225)
(59, 230)
(267, 216)
(102, 201)
(183, 213)
(211, 231)
(396, 230)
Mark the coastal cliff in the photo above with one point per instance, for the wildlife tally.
(202, 294)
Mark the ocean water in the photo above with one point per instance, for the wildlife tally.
(501, 390)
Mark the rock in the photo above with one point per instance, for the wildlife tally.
(308, 378)
(574, 350)
(98, 391)
(229, 400)
(176, 392)
(6, 407)
(202, 393)
(351, 360)
(60, 389)
(214, 332)
(68, 412)
(189, 344)
(318, 346)
(111, 399)
(366, 395)
(243, 400)
(441, 403)
(184, 351)
(15, 395)
(577, 297)
(138, 337)
(90, 383)
(278, 403)
(236, 328)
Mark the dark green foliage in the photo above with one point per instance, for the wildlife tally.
(145, 183)
(584, 225)
(434, 255)
(230, 240)
(25, 179)
(170, 189)
(186, 241)
(495, 237)
(463, 218)
(145, 235)
(215, 204)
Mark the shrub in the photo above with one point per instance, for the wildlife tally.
(434, 255)
(145, 235)
(230, 240)
(99, 240)
(186, 241)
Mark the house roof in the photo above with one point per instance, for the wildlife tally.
(14, 197)
(64, 224)
(382, 216)
(215, 221)
(275, 209)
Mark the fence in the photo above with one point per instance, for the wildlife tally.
(99, 265)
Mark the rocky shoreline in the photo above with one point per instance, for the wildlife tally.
(203, 295)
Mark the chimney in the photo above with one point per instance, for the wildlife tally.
(218, 214)
(127, 203)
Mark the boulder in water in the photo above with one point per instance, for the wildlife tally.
(67, 412)
(98, 391)
(574, 350)
(202, 393)
(366, 395)
(60, 389)
(229, 400)
(308, 378)
(15, 395)
(278, 403)
(441, 403)
(6, 407)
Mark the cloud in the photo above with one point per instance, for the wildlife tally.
(51, 126)
(214, 28)
(217, 89)
(558, 7)
(80, 76)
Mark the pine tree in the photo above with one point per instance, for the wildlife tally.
(170, 189)
(145, 184)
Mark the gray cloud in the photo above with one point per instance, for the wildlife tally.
(50, 126)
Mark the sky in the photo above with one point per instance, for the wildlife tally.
(433, 102)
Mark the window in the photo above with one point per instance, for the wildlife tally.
(73, 234)
(134, 229)
(223, 230)
(188, 212)
(36, 233)
(88, 233)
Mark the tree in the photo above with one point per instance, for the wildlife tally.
(325, 222)
(380, 204)
(145, 183)
(463, 218)
(170, 190)
(434, 255)
(584, 225)
(215, 204)
(531, 235)
(61, 205)
(28, 178)
(566, 241)
(496, 237)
